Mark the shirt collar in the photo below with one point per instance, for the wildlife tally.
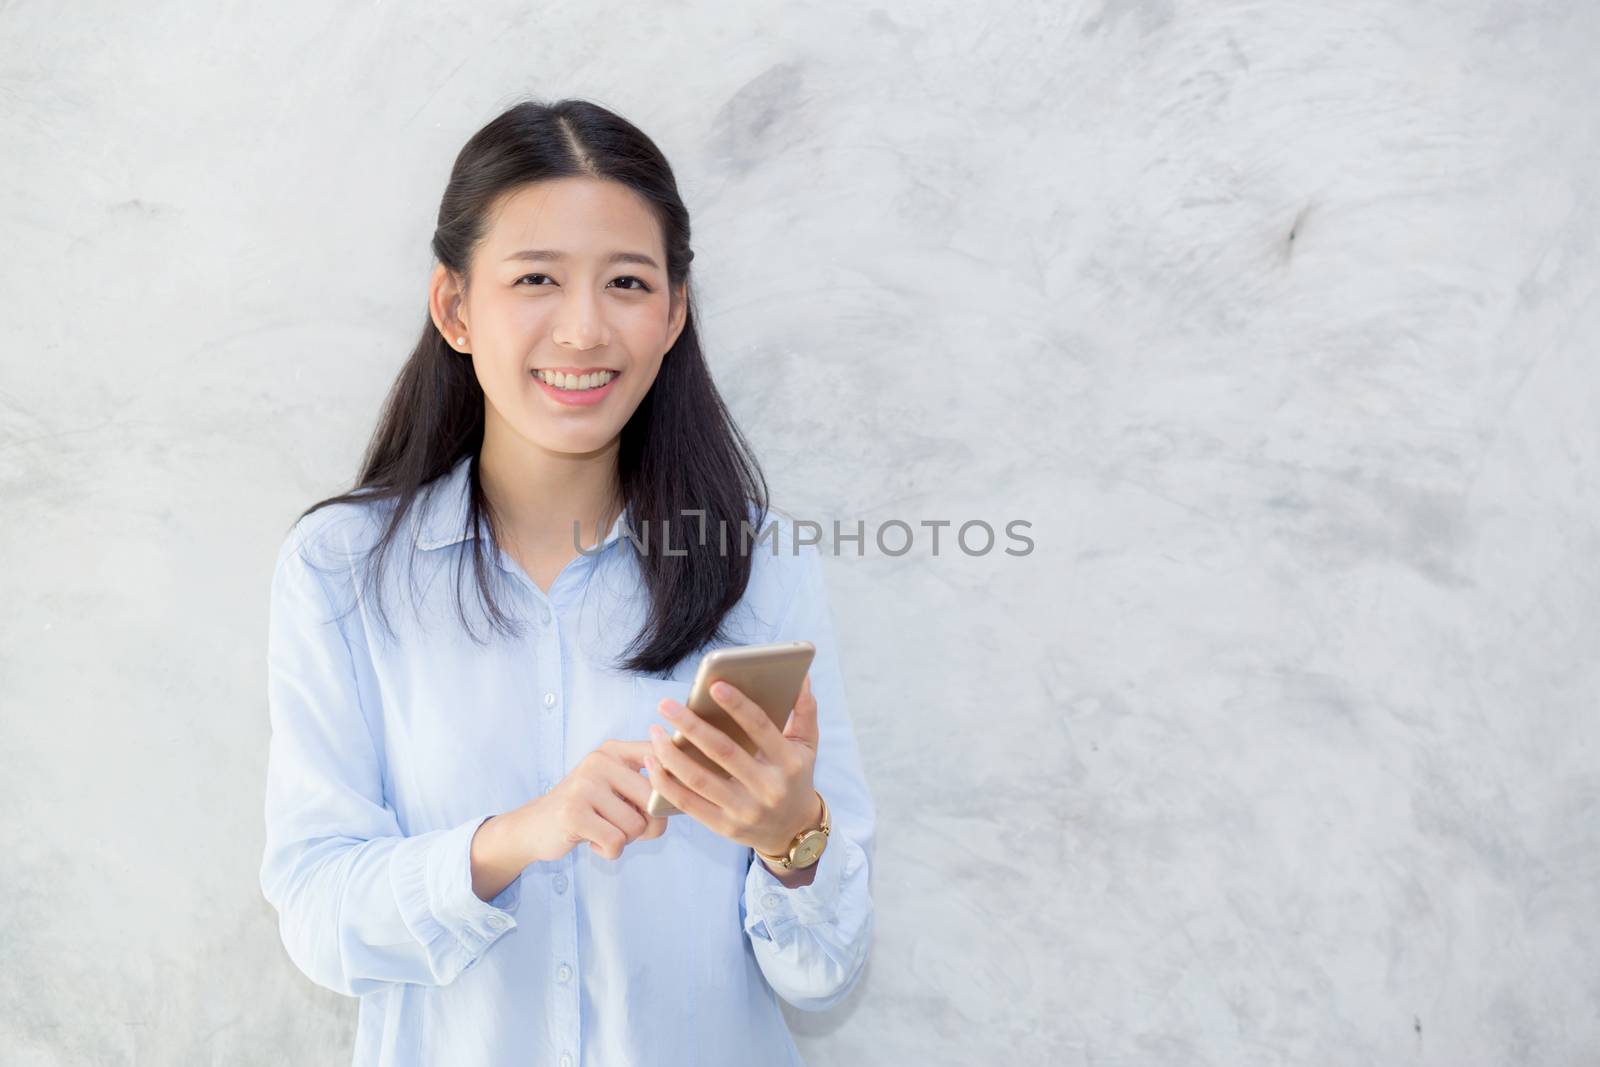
(442, 507)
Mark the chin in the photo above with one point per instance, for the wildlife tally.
(572, 444)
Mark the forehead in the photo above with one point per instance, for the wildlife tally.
(584, 217)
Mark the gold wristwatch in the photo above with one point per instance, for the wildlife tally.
(806, 848)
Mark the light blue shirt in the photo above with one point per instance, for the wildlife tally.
(387, 754)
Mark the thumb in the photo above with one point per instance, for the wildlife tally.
(632, 753)
(802, 724)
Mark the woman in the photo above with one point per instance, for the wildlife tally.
(456, 825)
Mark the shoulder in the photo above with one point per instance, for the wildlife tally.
(333, 538)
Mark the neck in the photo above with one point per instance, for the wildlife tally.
(537, 494)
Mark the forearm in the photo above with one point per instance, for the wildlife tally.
(357, 915)
(811, 941)
(497, 854)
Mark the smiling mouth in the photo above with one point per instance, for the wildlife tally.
(576, 383)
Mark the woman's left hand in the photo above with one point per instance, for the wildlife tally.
(769, 798)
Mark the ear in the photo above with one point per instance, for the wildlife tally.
(446, 306)
(680, 315)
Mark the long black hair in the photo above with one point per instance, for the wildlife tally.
(680, 451)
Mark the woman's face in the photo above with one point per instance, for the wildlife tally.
(570, 279)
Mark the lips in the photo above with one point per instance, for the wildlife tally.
(575, 397)
(576, 372)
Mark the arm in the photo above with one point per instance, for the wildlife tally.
(359, 903)
(811, 930)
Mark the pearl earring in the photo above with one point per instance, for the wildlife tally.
(461, 341)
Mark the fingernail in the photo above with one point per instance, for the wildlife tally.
(657, 732)
(669, 709)
(721, 689)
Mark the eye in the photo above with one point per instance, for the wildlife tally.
(638, 287)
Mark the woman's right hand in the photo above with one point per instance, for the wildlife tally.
(602, 802)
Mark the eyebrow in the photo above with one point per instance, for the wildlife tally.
(557, 255)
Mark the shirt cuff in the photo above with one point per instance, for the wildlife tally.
(432, 877)
(772, 909)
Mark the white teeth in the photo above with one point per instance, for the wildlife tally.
(575, 382)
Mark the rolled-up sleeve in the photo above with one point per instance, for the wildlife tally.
(812, 941)
(360, 903)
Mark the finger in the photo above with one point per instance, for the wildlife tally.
(633, 786)
(752, 719)
(689, 771)
(683, 800)
(614, 760)
(680, 796)
(802, 725)
(722, 749)
(621, 813)
(630, 753)
(604, 839)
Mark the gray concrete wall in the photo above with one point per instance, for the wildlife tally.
(1276, 321)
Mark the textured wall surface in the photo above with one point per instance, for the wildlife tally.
(1276, 320)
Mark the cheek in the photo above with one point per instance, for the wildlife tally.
(644, 380)
(645, 325)
(508, 390)
(500, 377)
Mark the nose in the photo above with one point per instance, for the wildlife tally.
(579, 323)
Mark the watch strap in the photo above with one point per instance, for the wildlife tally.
(784, 860)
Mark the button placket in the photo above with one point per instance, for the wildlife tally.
(562, 909)
(551, 734)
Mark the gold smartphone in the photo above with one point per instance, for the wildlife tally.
(770, 675)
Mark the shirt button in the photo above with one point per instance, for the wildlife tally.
(566, 1061)
(560, 882)
(497, 922)
(549, 700)
(770, 900)
(544, 615)
(563, 972)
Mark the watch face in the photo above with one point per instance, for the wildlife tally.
(808, 848)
